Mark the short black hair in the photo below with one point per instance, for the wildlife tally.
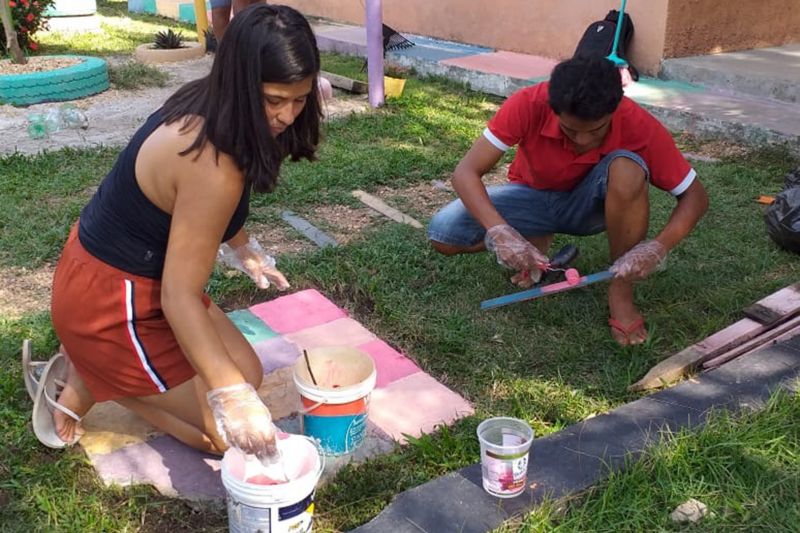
(263, 44)
(587, 88)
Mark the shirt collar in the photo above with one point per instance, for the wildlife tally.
(552, 130)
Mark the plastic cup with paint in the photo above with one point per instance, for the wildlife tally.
(505, 443)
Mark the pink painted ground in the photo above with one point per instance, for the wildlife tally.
(511, 64)
(406, 400)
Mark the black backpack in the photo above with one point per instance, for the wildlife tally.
(598, 39)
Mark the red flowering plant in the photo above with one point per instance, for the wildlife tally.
(28, 17)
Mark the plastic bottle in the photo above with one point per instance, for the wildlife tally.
(36, 126)
(67, 116)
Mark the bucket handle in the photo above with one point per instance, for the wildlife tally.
(307, 410)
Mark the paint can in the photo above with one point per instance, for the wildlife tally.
(335, 407)
(505, 443)
(259, 500)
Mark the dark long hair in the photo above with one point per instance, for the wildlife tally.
(263, 44)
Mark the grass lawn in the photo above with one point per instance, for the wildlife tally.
(550, 362)
(122, 32)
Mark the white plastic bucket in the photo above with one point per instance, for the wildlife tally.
(281, 507)
(505, 443)
(335, 407)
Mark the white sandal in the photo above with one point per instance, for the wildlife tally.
(44, 403)
(32, 370)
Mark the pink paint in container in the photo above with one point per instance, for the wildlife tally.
(505, 443)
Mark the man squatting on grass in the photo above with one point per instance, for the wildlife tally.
(585, 157)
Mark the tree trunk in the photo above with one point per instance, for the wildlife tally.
(12, 44)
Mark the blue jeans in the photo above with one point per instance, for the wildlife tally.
(534, 212)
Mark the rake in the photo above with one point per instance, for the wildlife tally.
(392, 40)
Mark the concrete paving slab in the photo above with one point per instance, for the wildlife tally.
(583, 454)
(341, 332)
(276, 353)
(125, 449)
(390, 365)
(170, 466)
(253, 328)
(297, 311)
(450, 504)
(765, 72)
(415, 405)
(348, 40)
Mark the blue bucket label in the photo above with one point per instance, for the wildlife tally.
(337, 434)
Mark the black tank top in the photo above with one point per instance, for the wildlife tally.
(122, 227)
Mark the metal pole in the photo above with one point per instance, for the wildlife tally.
(374, 17)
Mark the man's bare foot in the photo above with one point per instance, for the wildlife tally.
(627, 324)
(75, 397)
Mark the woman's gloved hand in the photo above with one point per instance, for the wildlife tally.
(243, 421)
(513, 250)
(251, 259)
(640, 261)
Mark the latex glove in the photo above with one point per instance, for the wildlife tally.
(640, 261)
(513, 250)
(251, 259)
(243, 421)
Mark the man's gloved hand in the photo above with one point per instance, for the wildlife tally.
(513, 250)
(243, 421)
(640, 261)
(251, 259)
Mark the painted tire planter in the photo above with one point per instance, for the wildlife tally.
(145, 53)
(72, 8)
(88, 77)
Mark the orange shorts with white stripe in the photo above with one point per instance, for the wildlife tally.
(113, 328)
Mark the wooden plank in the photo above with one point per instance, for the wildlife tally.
(774, 310)
(345, 83)
(676, 366)
(378, 205)
(777, 305)
(753, 344)
(305, 227)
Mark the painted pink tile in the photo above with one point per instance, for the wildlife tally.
(512, 64)
(414, 405)
(390, 364)
(341, 332)
(297, 311)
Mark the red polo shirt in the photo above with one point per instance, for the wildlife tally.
(546, 158)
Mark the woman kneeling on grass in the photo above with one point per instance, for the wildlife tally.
(128, 294)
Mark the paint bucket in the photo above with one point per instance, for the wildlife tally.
(259, 500)
(504, 455)
(335, 408)
(393, 87)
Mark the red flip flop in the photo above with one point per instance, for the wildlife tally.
(627, 330)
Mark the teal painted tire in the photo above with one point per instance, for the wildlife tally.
(71, 8)
(90, 76)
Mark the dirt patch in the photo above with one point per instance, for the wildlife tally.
(342, 222)
(37, 64)
(711, 148)
(115, 115)
(24, 291)
(279, 238)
